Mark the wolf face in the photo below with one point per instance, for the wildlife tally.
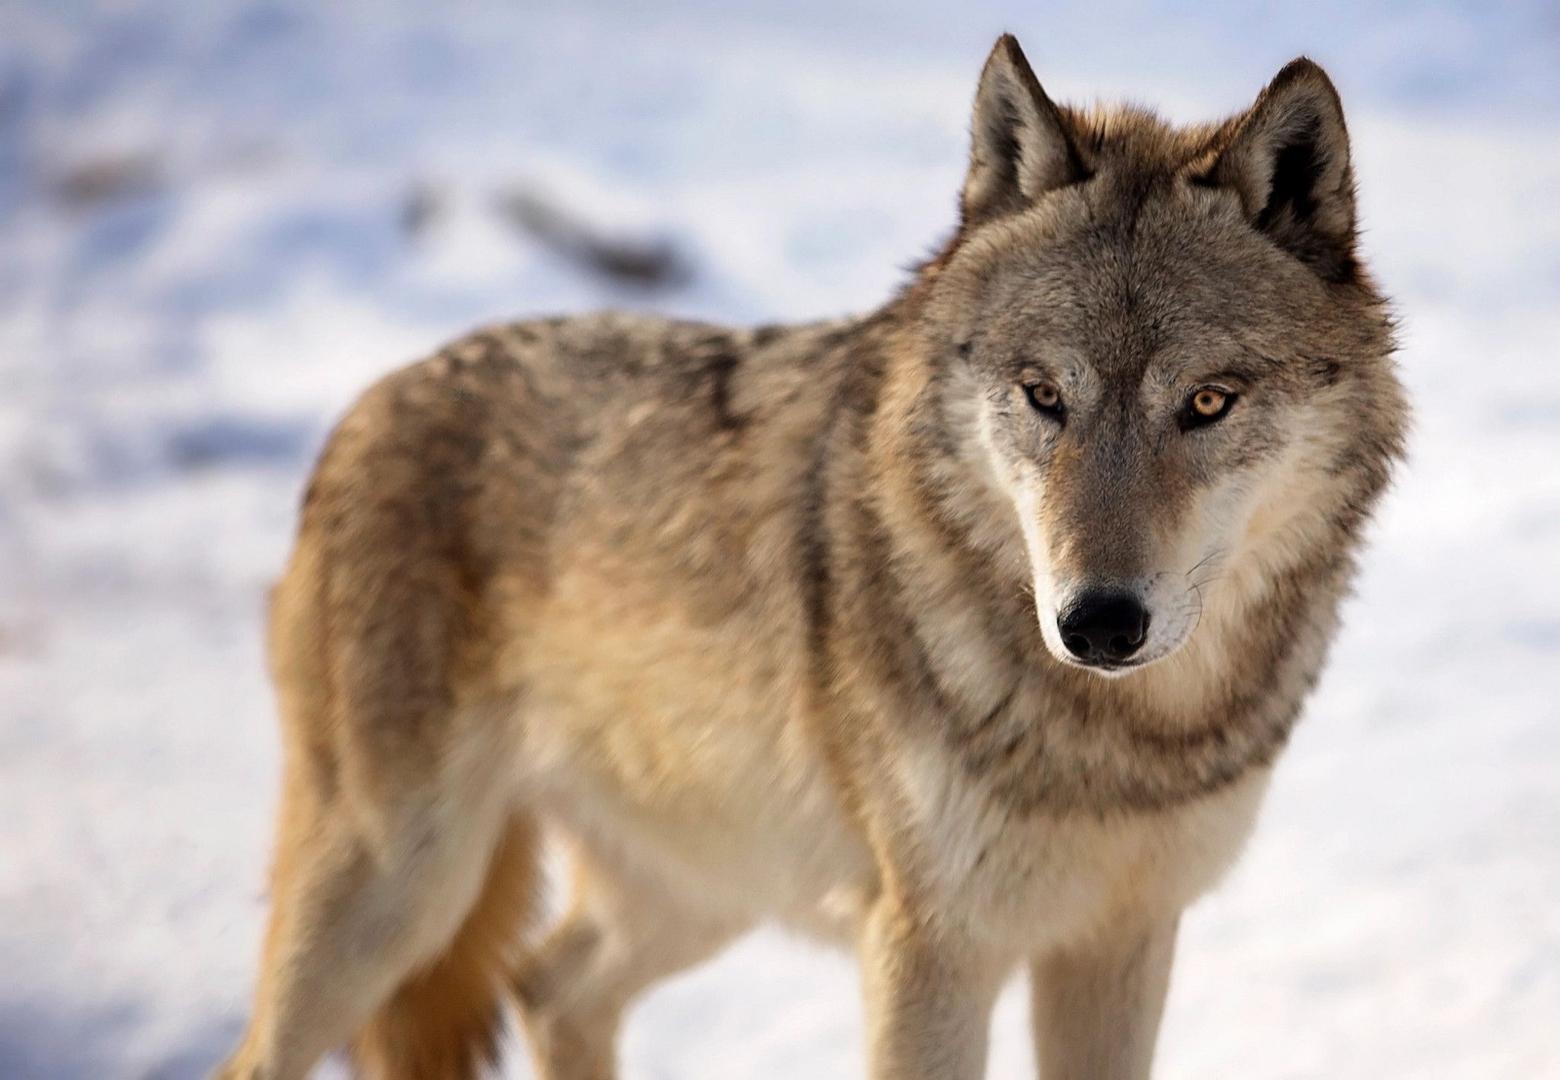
(1157, 341)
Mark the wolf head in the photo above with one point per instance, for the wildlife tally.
(1161, 349)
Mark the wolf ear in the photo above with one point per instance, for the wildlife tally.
(1020, 147)
(1288, 160)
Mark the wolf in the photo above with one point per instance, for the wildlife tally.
(965, 633)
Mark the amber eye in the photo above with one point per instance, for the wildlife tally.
(1207, 405)
(1045, 398)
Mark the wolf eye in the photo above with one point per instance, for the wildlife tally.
(1045, 398)
(1206, 406)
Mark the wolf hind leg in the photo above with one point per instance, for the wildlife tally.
(621, 934)
(404, 867)
(398, 942)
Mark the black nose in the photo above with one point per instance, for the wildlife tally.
(1103, 626)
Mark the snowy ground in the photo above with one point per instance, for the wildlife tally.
(202, 258)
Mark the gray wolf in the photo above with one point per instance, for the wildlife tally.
(966, 632)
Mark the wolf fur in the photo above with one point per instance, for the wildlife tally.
(771, 623)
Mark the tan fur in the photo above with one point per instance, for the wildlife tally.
(766, 622)
(445, 1018)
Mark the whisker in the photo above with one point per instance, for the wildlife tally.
(1216, 553)
(1209, 580)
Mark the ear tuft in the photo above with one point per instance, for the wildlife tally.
(1288, 161)
(1020, 147)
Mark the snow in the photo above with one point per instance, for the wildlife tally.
(171, 354)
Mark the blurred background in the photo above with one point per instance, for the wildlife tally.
(219, 221)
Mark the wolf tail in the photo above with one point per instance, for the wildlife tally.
(446, 1019)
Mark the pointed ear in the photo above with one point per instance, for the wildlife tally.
(1020, 146)
(1288, 160)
